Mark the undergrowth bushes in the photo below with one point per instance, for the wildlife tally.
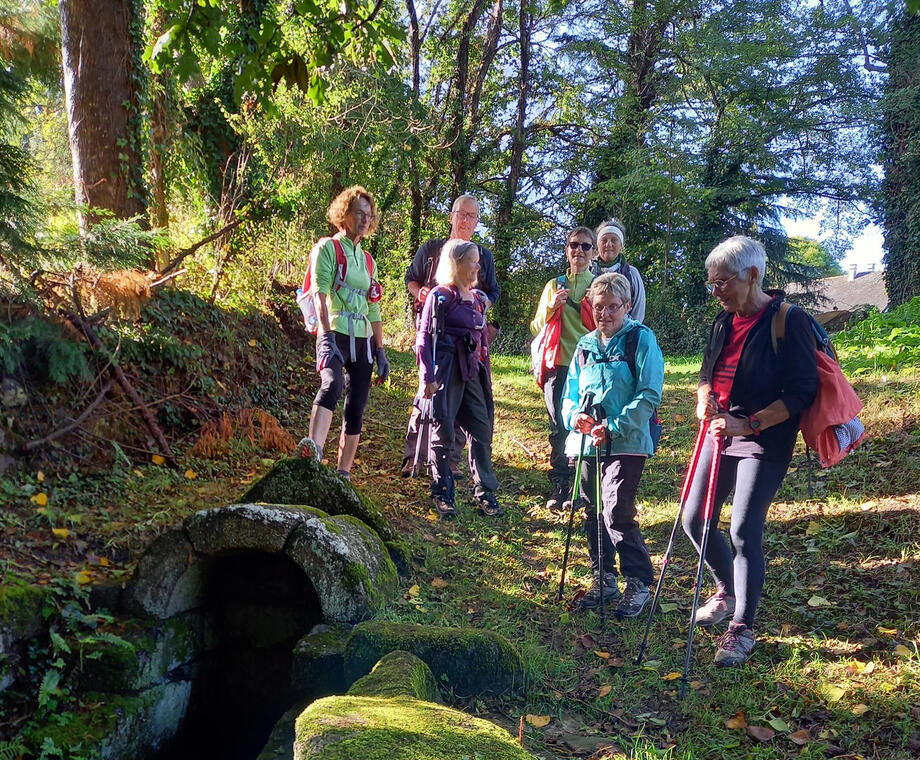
(886, 341)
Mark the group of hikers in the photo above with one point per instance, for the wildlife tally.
(602, 388)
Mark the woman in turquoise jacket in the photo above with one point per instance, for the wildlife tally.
(611, 393)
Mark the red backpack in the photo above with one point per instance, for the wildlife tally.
(304, 295)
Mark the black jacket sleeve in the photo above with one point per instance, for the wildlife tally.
(421, 265)
(487, 279)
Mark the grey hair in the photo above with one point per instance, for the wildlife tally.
(465, 197)
(612, 283)
(738, 254)
(611, 223)
(453, 252)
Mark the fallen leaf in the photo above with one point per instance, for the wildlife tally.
(859, 709)
(587, 641)
(855, 667)
(674, 674)
(191, 474)
(834, 693)
(60, 532)
(679, 418)
(887, 631)
(779, 724)
(696, 685)
(801, 737)
(158, 459)
(819, 601)
(538, 721)
(83, 577)
(414, 591)
(739, 721)
(604, 691)
(761, 733)
(104, 561)
(40, 498)
(253, 342)
(651, 664)
(902, 651)
(668, 606)
(438, 583)
(40, 476)
(870, 667)
(813, 529)
(138, 473)
(616, 662)
(602, 655)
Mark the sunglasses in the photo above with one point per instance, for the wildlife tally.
(574, 245)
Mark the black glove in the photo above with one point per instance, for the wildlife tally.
(383, 365)
(327, 351)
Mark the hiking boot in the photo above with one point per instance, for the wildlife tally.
(558, 497)
(635, 597)
(717, 607)
(593, 598)
(489, 505)
(735, 645)
(344, 475)
(443, 507)
(308, 449)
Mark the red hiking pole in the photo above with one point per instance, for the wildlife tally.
(691, 471)
(718, 443)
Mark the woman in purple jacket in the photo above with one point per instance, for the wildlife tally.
(453, 356)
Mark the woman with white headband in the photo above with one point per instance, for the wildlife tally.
(611, 239)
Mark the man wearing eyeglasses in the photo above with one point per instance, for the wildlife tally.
(464, 217)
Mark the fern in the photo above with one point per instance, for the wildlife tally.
(50, 688)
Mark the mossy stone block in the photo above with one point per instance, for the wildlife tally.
(398, 674)
(467, 660)
(148, 655)
(21, 612)
(305, 481)
(318, 669)
(242, 527)
(397, 728)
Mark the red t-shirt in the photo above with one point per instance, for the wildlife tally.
(723, 374)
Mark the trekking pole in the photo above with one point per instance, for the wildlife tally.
(425, 419)
(688, 479)
(601, 531)
(717, 445)
(576, 495)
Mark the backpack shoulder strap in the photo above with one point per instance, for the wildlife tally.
(308, 275)
(778, 325)
(632, 343)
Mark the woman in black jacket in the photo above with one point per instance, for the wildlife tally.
(752, 397)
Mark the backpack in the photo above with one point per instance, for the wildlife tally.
(831, 425)
(632, 343)
(545, 346)
(304, 294)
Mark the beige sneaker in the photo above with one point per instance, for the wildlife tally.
(717, 607)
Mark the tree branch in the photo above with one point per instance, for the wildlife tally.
(54, 435)
(182, 255)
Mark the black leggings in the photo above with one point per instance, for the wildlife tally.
(755, 482)
(355, 379)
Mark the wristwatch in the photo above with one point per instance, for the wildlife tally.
(755, 423)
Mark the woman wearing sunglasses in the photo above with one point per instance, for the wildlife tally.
(752, 397)
(564, 293)
(620, 368)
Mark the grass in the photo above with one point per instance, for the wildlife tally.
(836, 671)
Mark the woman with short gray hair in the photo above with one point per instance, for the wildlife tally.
(751, 395)
(453, 357)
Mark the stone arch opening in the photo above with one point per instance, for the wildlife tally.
(255, 606)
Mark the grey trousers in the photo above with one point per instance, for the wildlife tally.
(466, 405)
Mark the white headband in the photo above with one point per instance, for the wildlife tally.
(611, 230)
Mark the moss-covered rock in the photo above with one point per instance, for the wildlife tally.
(347, 564)
(397, 728)
(306, 481)
(398, 674)
(467, 660)
(116, 727)
(21, 611)
(243, 527)
(318, 669)
(144, 655)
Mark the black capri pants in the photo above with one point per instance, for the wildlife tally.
(352, 376)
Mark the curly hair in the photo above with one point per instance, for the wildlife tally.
(340, 205)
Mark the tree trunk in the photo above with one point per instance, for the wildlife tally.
(101, 89)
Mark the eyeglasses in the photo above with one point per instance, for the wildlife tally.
(609, 310)
(714, 285)
(574, 245)
(466, 216)
(361, 214)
